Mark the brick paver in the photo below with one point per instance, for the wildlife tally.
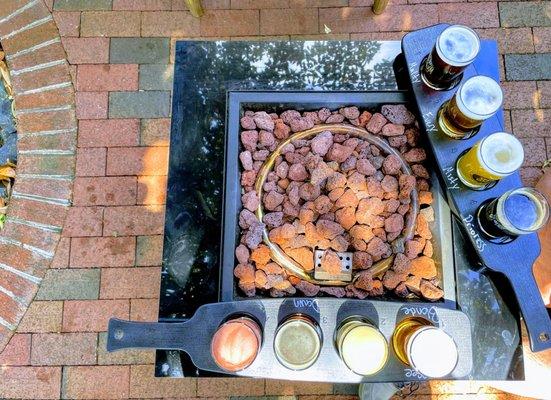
(108, 260)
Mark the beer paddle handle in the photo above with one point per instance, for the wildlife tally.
(534, 313)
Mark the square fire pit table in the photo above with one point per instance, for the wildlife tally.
(205, 74)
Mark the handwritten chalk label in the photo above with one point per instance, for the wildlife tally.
(307, 303)
(414, 73)
(411, 373)
(428, 117)
(451, 178)
(475, 236)
(428, 313)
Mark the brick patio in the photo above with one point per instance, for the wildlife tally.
(107, 262)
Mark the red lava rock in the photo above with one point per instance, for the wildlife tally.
(260, 155)
(364, 118)
(349, 164)
(246, 160)
(428, 250)
(413, 248)
(401, 290)
(376, 123)
(337, 180)
(305, 216)
(273, 219)
(323, 204)
(281, 130)
(335, 194)
(319, 174)
(422, 185)
(413, 284)
(392, 165)
(394, 223)
(397, 114)
(393, 130)
(273, 280)
(290, 210)
(297, 172)
(246, 219)
(390, 236)
(422, 227)
(339, 243)
(391, 279)
(328, 229)
(380, 233)
(321, 143)
(242, 254)
(297, 241)
(312, 116)
(412, 136)
(272, 200)
(348, 199)
(323, 114)
(301, 124)
(423, 267)
(350, 112)
(250, 201)
(266, 138)
(260, 279)
(282, 233)
(339, 153)
(401, 264)
(254, 236)
(333, 291)
(294, 158)
(307, 288)
(248, 178)
(377, 248)
(330, 262)
(420, 171)
(261, 255)
(263, 121)
(248, 288)
(303, 256)
(406, 184)
(282, 170)
(346, 217)
(374, 187)
(288, 148)
(364, 280)
(365, 167)
(361, 260)
(425, 197)
(415, 155)
(247, 123)
(352, 291)
(389, 183)
(430, 291)
(397, 141)
(403, 209)
(271, 268)
(309, 192)
(361, 232)
(289, 115)
(335, 119)
(369, 207)
(245, 272)
(357, 182)
(391, 205)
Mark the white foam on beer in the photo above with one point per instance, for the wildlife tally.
(479, 97)
(501, 152)
(432, 352)
(458, 45)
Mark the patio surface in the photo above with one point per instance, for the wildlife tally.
(108, 260)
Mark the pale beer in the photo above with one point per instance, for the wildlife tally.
(455, 49)
(494, 157)
(476, 100)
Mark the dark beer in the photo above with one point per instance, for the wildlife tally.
(516, 212)
(475, 101)
(455, 49)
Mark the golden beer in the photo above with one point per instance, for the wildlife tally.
(494, 157)
(297, 342)
(362, 347)
(455, 49)
(476, 100)
(516, 212)
(427, 349)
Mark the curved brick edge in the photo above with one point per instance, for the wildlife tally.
(47, 131)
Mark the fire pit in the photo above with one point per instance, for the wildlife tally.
(215, 83)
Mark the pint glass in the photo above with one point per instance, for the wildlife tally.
(475, 101)
(455, 49)
(494, 157)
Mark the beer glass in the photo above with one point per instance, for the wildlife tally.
(297, 342)
(362, 347)
(476, 100)
(516, 212)
(427, 349)
(494, 157)
(455, 49)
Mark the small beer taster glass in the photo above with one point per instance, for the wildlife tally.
(516, 212)
(476, 100)
(492, 158)
(455, 49)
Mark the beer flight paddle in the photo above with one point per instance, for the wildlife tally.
(512, 256)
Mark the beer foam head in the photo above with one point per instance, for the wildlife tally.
(479, 97)
(432, 352)
(458, 45)
(502, 153)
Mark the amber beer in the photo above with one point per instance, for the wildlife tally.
(494, 157)
(424, 347)
(475, 101)
(516, 212)
(455, 49)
